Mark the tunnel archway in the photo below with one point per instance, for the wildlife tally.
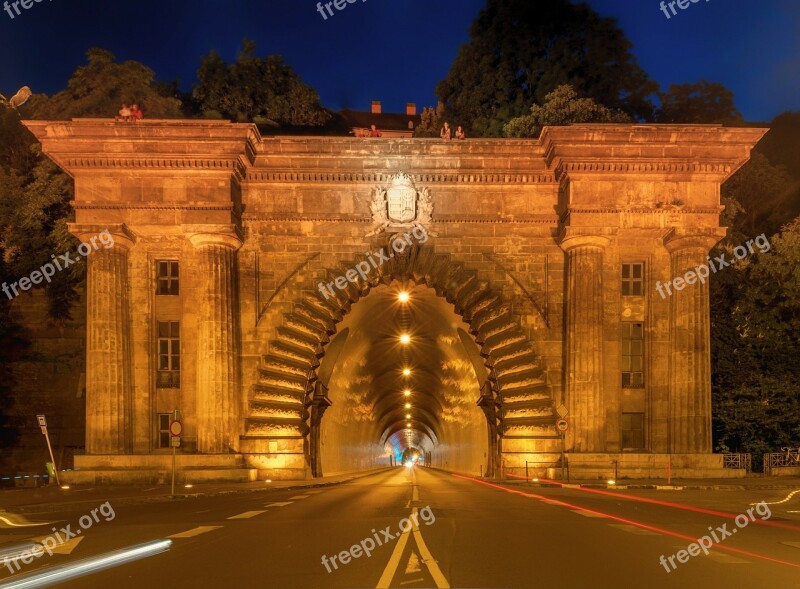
(388, 396)
(291, 402)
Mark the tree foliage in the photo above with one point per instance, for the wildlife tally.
(704, 102)
(520, 51)
(100, 87)
(431, 121)
(256, 89)
(562, 107)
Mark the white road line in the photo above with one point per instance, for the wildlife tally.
(725, 558)
(247, 514)
(795, 544)
(313, 492)
(195, 532)
(300, 497)
(634, 530)
(427, 558)
(391, 567)
(280, 504)
(588, 513)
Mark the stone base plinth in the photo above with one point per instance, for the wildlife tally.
(596, 466)
(157, 469)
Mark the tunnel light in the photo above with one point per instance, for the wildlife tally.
(403, 297)
(408, 416)
(406, 371)
(612, 482)
(407, 392)
(408, 405)
(405, 339)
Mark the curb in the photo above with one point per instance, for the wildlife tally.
(134, 500)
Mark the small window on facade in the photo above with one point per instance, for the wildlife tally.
(633, 280)
(163, 430)
(169, 355)
(167, 277)
(633, 431)
(632, 355)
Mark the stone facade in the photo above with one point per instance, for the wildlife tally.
(528, 239)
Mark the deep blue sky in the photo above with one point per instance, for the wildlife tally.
(395, 50)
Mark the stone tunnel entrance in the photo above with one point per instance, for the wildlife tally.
(535, 297)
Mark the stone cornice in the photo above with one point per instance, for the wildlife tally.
(256, 176)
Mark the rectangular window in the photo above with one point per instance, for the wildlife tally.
(632, 355)
(163, 429)
(633, 280)
(169, 355)
(633, 431)
(167, 277)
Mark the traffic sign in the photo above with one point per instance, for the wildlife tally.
(175, 428)
(175, 442)
(562, 410)
(562, 425)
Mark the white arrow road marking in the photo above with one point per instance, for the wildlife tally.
(281, 504)
(247, 514)
(13, 520)
(300, 497)
(194, 532)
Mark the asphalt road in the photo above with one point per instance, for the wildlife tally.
(468, 534)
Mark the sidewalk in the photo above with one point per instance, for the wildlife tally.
(755, 483)
(53, 498)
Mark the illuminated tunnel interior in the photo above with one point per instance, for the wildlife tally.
(391, 394)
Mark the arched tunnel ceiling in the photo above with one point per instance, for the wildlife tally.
(445, 372)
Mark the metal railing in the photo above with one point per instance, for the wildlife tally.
(740, 460)
(786, 458)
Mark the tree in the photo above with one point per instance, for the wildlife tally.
(704, 102)
(755, 319)
(521, 51)
(256, 89)
(98, 88)
(562, 107)
(431, 121)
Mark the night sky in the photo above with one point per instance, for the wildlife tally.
(395, 50)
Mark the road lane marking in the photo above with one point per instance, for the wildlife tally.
(313, 492)
(794, 544)
(634, 530)
(63, 548)
(632, 522)
(247, 514)
(391, 567)
(725, 558)
(427, 557)
(195, 532)
(587, 513)
(300, 497)
(280, 504)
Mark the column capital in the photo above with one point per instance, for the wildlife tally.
(676, 240)
(225, 235)
(570, 240)
(123, 236)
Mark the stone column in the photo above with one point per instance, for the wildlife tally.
(109, 370)
(217, 343)
(584, 361)
(689, 350)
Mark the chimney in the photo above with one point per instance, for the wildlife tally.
(376, 107)
(411, 109)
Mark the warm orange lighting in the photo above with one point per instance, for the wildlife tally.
(407, 392)
(403, 297)
(406, 371)
(408, 416)
(408, 405)
(405, 339)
